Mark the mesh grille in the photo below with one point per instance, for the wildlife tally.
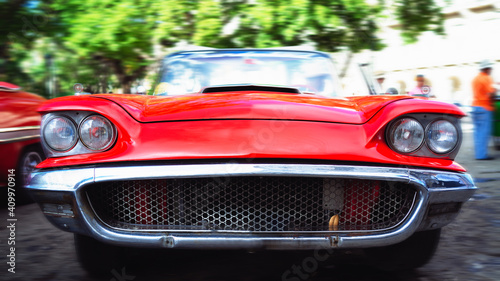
(252, 204)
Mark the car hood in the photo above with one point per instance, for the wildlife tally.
(251, 105)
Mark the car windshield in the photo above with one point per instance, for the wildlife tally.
(190, 72)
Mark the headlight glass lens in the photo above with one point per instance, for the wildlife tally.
(97, 133)
(406, 135)
(442, 136)
(60, 133)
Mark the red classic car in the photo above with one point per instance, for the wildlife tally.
(251, 149)
(20, 147)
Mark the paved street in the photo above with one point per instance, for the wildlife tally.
(469, 249)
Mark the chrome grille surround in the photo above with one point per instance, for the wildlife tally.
(252, 204)
(68, 186)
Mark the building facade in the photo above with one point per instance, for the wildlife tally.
(449, 62)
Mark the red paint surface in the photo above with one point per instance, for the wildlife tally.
(17, 109)
(350, 129)
(9, 86)
(243, 105)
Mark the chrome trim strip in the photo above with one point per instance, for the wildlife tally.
(45, 184)
(4, 130)
(231, 242)
(5, 89)
(225, 170)
(19, 138)
(19, 133)
(71, 179)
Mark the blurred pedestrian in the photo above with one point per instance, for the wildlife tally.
(380, 76)
(482, 109)
(420, 90)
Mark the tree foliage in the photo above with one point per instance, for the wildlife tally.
(118, 38)
(326, 24)
(117, 34)
(416, 17)
(16, 36)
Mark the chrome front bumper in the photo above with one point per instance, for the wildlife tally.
(59, 193)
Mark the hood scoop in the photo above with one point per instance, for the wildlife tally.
(255, 88)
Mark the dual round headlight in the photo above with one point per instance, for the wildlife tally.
(60, 134)
(95, 132)
(442, 136)
(407, 135)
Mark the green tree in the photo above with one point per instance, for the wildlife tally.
(199, 22)
(116, 34)
(331, 24)
(17, 33)
(117, 38)
(175, 21)
(28, 35)
(328, 24)
(208, 26)
(416, 17)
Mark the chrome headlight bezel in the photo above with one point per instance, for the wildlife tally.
(77, 117)
(425, 119)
